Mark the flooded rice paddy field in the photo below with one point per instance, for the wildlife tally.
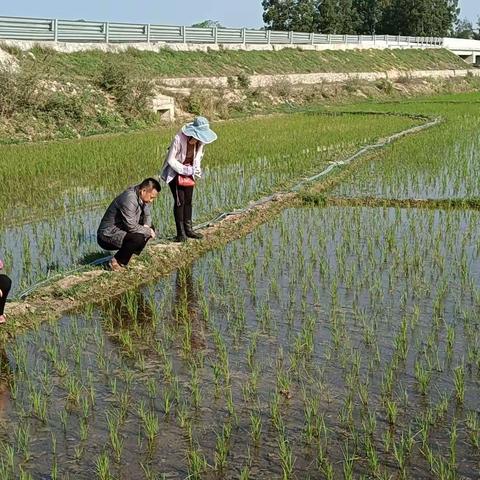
(50, 225)
(330, 343)
(441, 163)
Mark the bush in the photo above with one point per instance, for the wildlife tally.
(11, 49)
(18, 90)
(281, 88)
(385, 86)
(243, 80)
(132, 94)
(204, 102)
(62, 106)
(351, 86)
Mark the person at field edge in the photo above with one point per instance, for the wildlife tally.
(181, 167)
(127, 223)
(5, 286)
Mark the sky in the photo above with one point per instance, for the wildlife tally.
(230, 13)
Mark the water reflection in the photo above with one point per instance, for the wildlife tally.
(6, 376)
(185, 309)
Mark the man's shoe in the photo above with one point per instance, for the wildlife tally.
(189, 232)
(114, 266)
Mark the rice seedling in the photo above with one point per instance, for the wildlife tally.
(286, 457)
(255, 427)
(83, 430)
(102, 467)
(423, 377)
(392, 411)
(23, 438)
(222, 448)
(245, 473)
(197, 463)
(150, 423)
(38, 405)
(372, 457)
(116, 441)
(459, 381)
(348, 462)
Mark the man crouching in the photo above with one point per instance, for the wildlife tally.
(127, 223)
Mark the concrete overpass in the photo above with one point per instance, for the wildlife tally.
(469, 50)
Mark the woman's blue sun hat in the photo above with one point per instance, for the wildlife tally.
(200, 129)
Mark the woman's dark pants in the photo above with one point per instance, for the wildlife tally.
(5, 286)
(182, 207)
(133, 243)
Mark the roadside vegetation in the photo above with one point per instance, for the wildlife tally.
(53, 95)
(169, 63)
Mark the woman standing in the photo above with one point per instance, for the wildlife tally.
(5, 285)
(182, 165)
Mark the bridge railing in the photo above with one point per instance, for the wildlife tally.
(57, 30)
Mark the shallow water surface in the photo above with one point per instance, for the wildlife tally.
(330, 341)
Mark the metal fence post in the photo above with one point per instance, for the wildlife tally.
(148, 32)
(244, 35)
(184, 34)
(107, 33)
(215, 35)
(290, 37)
(269, 37)
(55, 30)
(312, 38)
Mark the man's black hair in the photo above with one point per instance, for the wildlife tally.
(149, 184)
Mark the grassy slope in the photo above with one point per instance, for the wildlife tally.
(168, 63)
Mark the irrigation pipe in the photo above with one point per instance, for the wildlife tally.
(252, 205)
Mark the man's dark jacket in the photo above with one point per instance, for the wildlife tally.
(127, 213)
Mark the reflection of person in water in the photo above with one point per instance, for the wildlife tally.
(185, 307)
(5, 379)
(118, 316)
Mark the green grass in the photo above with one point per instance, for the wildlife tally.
(168, 63)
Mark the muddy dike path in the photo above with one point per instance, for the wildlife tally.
(95, 285)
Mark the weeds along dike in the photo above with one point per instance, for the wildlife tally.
(86, 285)
(309, 198)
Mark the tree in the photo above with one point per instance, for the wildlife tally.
(305, 16)
(420, 17)
(328, 13)
(347, 17)
(278, 14)
(297, 15)
(207, 24)
(405, 17)
(369, 15)
(464, 29)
